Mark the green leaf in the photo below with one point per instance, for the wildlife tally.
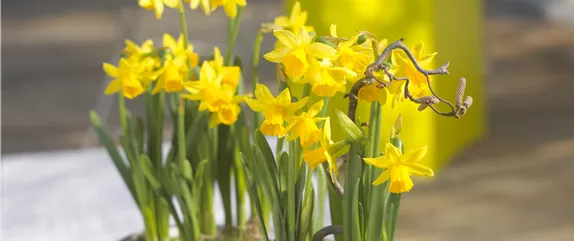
(255, 200)
(352, 131)
(187, 170)
(352, 179)
(263, 145)
(306, 213)
(139, 133)
(283, 169)
(374, 230)
(266, 174)
(149, 172)
(357, 210)
(117, 159)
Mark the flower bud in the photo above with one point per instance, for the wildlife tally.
(351, 130)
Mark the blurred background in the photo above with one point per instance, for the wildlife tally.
(515, 184)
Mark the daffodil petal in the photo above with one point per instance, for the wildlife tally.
(418, 169)
(193, 4)
(286, 37)
(415, 155)
(262, 93)
(295, 106)
(110, 70)
(282, 21)
(231, 10)
(382, 45)
(399, 58)
(382, 178)
(295, 10)
(380, 162)
(256, 105)
(303, 36)
(333, 30)
(383, 96)
(159, 85)
(284, 98)
(241, 2)
(171, 3)
(418, 50)
(326, 133)
(393, 153)
(277, 55)
(158, 7)
(169, 41)
(206, 72)
(427, 60)
(316, 108)
(113, 87)
(320, 50)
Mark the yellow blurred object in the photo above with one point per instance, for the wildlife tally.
(452, 28)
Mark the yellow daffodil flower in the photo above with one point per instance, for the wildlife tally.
(172, 77)
(126, 79)
(304, 126)
(372, 93)
(399, 168)
(207, 89)
(231, 73)
(179, 50)
(221, 102)
(325, 79)
(296, 51)
(418, 86)
(294, 22)
(132, 49)
(204, 5)
(275, 110)
(351, 55)
(230, 6)
(143, 56)
(324, 152)
(157, 5)
(226, 108)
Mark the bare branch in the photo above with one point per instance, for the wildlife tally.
(425, 101)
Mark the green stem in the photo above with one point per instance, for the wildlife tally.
(123, 113)
(240, 188)
(207, 217)
(323, 112)
(394, 203)
(183, 23)
(181, 134)
(255, 73)
(232, 36)
(224, 171)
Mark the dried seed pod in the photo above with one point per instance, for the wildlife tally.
(468, 102)
(422, 107)
(428, 100)
(460, 91)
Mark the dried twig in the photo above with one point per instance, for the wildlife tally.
(425, 101)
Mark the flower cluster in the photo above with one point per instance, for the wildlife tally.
(168, 69)
(208, 6)
(216, 90)
(143, 65)
(328, 65)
